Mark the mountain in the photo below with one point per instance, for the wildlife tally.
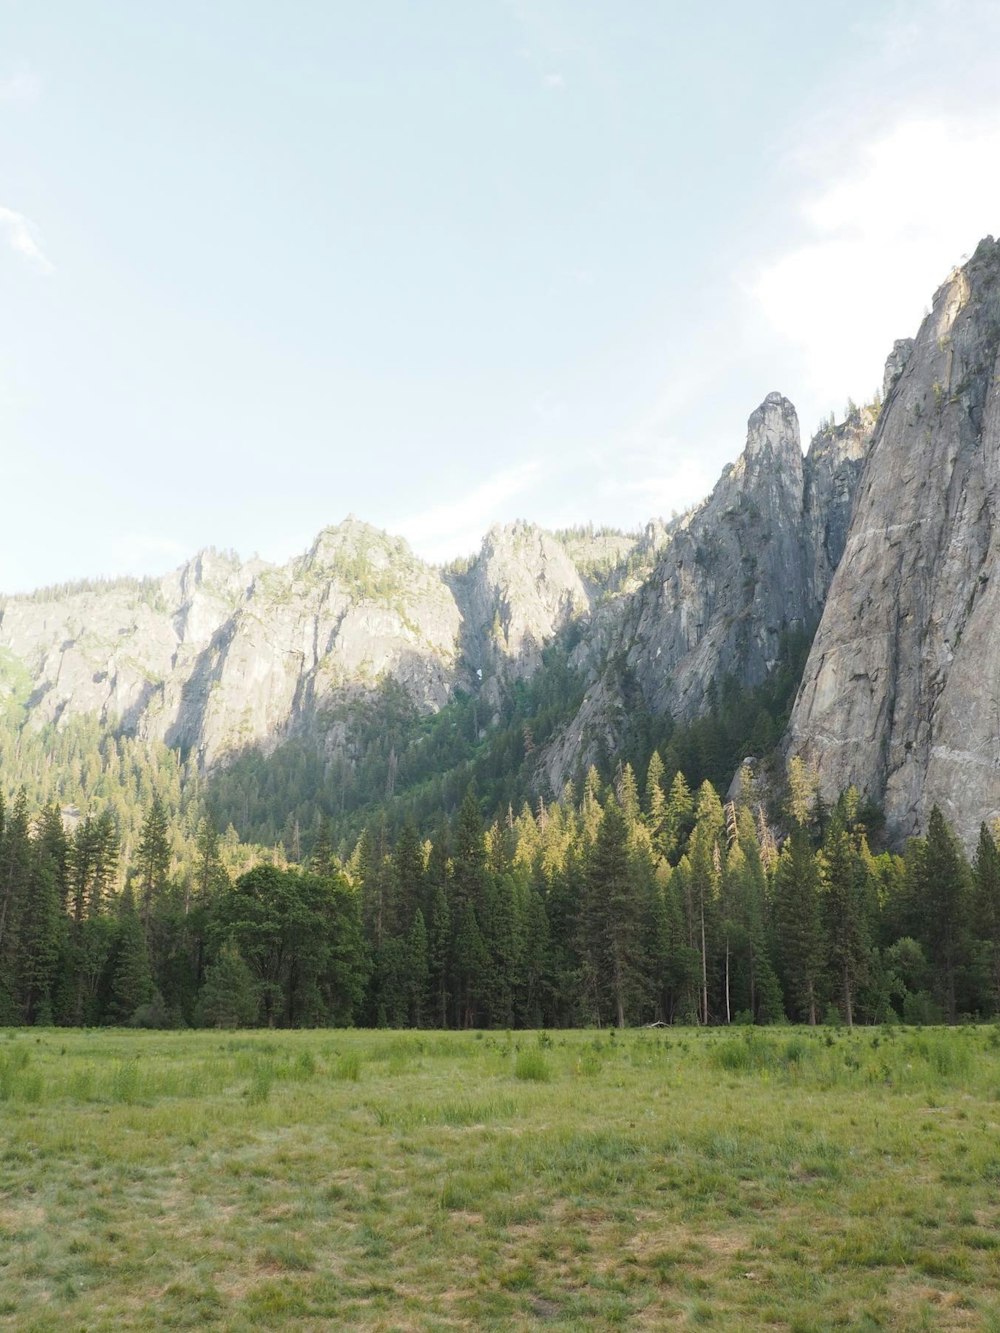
(748, 566)
(222, 656)
(357, 672)
(901, 691)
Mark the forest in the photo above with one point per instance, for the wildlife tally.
(624, 902)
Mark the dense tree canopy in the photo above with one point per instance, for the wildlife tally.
(606, 907)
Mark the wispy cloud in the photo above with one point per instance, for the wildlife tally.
(911, 202)
(21, 237)
(554, 81)
(457, 526)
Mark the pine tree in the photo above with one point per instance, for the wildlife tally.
(655, 803)
(132, 979)
(611, 919)
(803, 787)
(940, 893)
(986, 884)
(439, 927)
(438, 953)
(417, 969)
(409, 879)
(468, 857)
(152, 859)
(15, 867)
(210, 875)
(627, 792)
(845, 917)
(469, 963)
(798, 926)
(678, 818)
(229, 994)
(704, 880)
(43, 924)
(321, 861)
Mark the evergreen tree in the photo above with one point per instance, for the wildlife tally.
(627, 792)
(43, 924)
(655, 802)
(15, 869)
(417, 970)
(678, 818)
(321, 862)
(470, 960)
(940, 895)
(798, 927)
(468, 878)
(803, 788)
(152, 858)
(986, 883)
(131, 979)
(611, 920)
(210, 875)
(409, 877)
(229, 994)
(439, 928)
(704, 879)
(846, 923)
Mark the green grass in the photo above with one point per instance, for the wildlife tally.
(739, 1179)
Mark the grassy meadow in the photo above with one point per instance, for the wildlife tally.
(647, 1179)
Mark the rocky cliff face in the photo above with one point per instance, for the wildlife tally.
(750, 563)
(224, 655)
(901, 693)
(518, 594)
(833, 467)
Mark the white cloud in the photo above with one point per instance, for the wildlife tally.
(881, 236)
(20, 234)
(457, 526)
(555, 81)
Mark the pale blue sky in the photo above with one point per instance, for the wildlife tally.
(265, 264)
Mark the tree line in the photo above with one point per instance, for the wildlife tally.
(621, 903)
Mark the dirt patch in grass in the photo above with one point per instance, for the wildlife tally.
(21, 1217)
(681, 1239)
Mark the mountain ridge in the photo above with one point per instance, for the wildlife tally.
(222, 658)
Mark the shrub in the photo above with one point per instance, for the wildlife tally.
(531, 1067)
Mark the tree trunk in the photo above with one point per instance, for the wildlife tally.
(704, 969)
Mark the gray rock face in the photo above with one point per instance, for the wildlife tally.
(751, 562)
(833, 467)
(901, 693)
(221, 656)
(895, 364)
(520, 592)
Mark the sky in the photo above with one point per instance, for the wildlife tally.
(266, 264)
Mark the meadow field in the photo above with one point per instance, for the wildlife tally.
(740, 1178)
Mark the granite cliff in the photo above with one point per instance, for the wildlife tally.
(883, 534)
(224, 657)
(901, 692)
(735, 574)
